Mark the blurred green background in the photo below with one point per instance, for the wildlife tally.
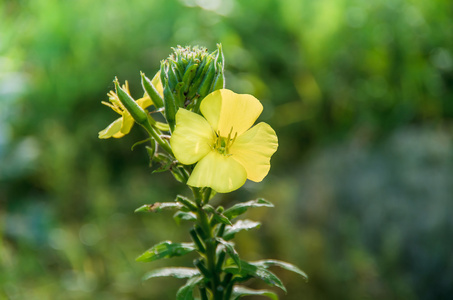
(360, 94)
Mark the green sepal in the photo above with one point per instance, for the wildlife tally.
(240, 208)
(219, 81)
(170, 106)
(151, 91)
(186, 291)
(139, 115)
(266, 263)
(206, 85)
(229, 247)
(220, 59)
(189, 75)
(241, 291)
(187, 203)
(184, 216)
(166, 249)
(199, 77)
(176, 272)
(240, 225)
(171, 75)
(179, 94)
(250, 270)
(218, 217)
(158, 207)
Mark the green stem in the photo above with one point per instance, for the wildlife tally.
(211, 245)
(153, 133)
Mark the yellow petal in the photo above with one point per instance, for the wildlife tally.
(193, 137)
(111, 130)
(158, 84)
(228, 112)
(127, 123)
(145, 102)
(220, 172)
(254, 149)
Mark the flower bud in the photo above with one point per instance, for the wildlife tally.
(189, 74)
(137, 113)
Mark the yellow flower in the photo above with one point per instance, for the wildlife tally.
(123, 125)
(227, 150)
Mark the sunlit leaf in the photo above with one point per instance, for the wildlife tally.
(241, 208)
(219, 217)
(158, 207)
(178, 272)
(166, 249)
(240, 225)
(186, 291)
(249, 270)
(229, 247)
(184, 216)
(287, 266)
(241, 291)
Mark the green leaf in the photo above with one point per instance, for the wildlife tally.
(219, 217)
(240, 291)
(287, 266)
(229, 247)
(139, 143)
(187, 202)
(240, 208)
(166, 249)
(186, 291)
(158, 207)
(240, 225)
(184, 216)
(248, 269)
(179, 272)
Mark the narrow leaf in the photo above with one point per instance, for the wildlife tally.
(179, 272)
(158, 207)
(184, 216)
(241, 291)
(240, 225)
(260, 272)
(287, 266)
(241, 208)
(229, 247)
(139, 143)
(166, 249)
(218, 217)
(186, 291)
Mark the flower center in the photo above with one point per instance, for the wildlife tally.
(222, 144)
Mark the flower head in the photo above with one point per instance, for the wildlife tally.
(123, 125)
(225, 146)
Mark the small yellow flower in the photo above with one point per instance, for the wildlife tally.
(123, 125)
(227, 150)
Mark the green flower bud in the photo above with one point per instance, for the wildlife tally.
(189, 74)
(139, 115)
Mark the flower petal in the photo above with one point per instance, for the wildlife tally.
(221, 173)
(158, 84)
(254, 149)
(193, 137)
(127, 123)
(228, 112)
(111, 130)
(145, 101)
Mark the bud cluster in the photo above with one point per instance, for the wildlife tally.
(188, 75)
